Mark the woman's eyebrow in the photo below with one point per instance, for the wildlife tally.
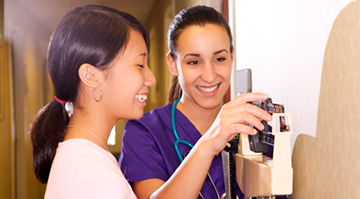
(220, 51)
(198, 55)
(192, 54)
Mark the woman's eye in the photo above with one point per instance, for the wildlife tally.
(221, 59)
(193, 62)
(142, 66)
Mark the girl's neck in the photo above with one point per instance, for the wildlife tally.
(82, 123)
(200, 117)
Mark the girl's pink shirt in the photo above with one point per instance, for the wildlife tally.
(82, 169)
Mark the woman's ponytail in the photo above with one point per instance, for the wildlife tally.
(175, 91)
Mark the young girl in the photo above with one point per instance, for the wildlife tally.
(97, 60)
(200, 58)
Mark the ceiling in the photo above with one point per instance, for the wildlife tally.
(49, 12)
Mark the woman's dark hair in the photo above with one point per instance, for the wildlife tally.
(91, 34)
(199, 16)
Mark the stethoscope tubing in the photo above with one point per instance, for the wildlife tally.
(178, 140)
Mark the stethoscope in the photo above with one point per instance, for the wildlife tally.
(180, 141)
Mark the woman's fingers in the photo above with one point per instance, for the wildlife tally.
(246, 108)
(247, 97)
(235, 118)
(234, 129)
(242, 104)
(241, 119)
(238, 114)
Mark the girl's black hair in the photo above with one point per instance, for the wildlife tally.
(199, 16)
(91, 34)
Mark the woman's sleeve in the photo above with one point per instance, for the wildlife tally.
(140, 156)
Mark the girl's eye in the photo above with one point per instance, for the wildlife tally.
(193, 62)
(142, 66)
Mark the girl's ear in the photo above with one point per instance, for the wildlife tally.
(88, 74)
(172, 65)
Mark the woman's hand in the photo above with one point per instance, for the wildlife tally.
(235, 118)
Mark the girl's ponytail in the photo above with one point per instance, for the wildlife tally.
(47, 130)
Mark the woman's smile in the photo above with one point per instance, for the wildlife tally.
(206, 89)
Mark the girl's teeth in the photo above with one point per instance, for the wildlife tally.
(140, 97)
(207, 90)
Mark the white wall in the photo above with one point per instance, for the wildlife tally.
(179, 5)
(283, 42)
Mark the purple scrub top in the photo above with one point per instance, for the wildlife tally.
(148, 149)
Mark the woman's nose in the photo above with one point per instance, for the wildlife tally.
(208, 73)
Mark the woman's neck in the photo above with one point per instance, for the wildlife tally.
(200, 117)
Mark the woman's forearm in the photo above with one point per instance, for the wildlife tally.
(189, 177)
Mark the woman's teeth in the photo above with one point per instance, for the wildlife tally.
(140, 97)
(208, 89)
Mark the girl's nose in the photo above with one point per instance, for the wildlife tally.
(149, 78)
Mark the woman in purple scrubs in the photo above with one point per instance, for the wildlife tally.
(200, 59)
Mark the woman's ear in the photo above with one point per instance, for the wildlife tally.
(232, 55)
(88, 74)
(171, 64)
